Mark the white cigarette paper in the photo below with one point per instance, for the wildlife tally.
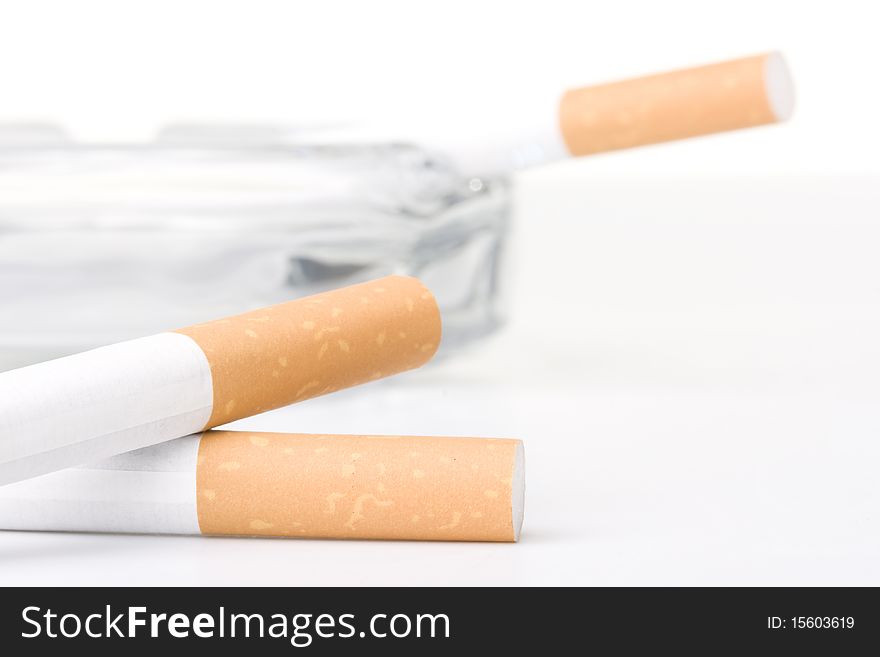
(92, 405)
(150, 491)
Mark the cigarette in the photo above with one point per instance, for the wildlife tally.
(115, 399)
(228, 483)
(731, 95)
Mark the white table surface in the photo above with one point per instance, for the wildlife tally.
(694, 366)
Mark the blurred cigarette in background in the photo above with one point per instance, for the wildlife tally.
(732, 95)
(743, 93)
(111, 400)
(294, 485)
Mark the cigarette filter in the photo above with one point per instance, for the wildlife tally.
(264, 484)
(697, 101)
(92, 405)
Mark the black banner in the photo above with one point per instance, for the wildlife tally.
(437, 621)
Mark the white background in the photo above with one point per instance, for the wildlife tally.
(692, 357)
(118, 70)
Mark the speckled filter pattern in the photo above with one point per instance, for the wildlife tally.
(312, 346)
(665, 107)
(367, 487)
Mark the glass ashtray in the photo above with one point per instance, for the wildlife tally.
(103, 243)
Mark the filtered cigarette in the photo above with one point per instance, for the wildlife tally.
(92, 405)
(687, 103)
(730, 95)
(267, 484)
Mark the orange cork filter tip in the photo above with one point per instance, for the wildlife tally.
(698, 101)
(365, 487)
(293, 351)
